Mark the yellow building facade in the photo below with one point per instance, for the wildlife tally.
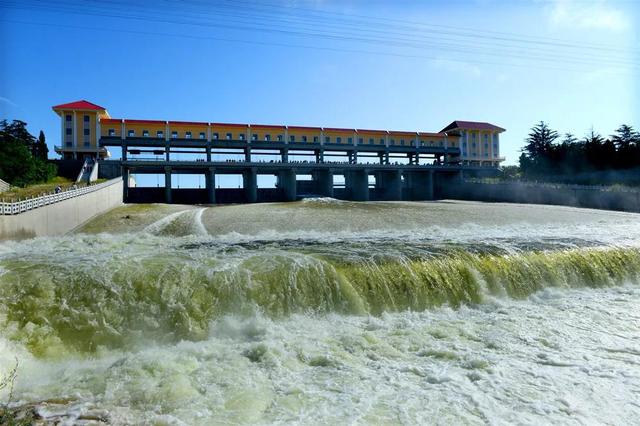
(83, 124)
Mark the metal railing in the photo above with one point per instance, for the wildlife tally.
(17, 207)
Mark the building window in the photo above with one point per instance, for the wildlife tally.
(87, 144)
(474, 154)
(401, 141)
(292, 138)
(87, 132)
(370, 141)
(381, 141)
(216, 136)
(464, 145)
(160, 134)
(187, 135)
(315, 139)
(486, 154)
(131, 133)
(267, 138)
(145, 133)
(360, 141)
(280, 138)
(254, 137)
(327, 139)
(202, 135)
(174, 135)
(228, 136)
(240, 136)
(86, 119)
(112, 132)
(304, 139)
(486, 146)
(441, 143)
(68, 130)
(392, 142)
(68, 117)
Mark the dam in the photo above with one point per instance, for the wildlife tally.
(343, 163)
(327, 311)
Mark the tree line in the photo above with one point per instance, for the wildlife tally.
(547, 153)
(23, 158)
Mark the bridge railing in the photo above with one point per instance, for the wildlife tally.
(17, 207)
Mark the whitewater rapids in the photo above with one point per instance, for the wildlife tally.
(328, 312)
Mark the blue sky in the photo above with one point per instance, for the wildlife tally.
(403, 65)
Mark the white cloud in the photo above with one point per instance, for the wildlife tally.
(598, 14)
(7, 101)
(461, 67)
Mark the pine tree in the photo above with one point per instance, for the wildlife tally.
(536, 157)
(42, 149)
(625, 136)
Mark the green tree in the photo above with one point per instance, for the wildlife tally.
(18, 164)
(625, 136)
(536, 156)
(41, 150)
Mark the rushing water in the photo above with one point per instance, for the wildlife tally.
(329, 312)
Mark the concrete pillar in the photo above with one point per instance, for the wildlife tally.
(391, 184)
(250, 179)
(125, 184)
(285, 155)
(354, 157)
(124, 151)
(166, 151)
(167, 185)
(209, 150)
(420, 184)
(324, 182)
(247, 155)
(357, 184)
(210, 178)
(287, 182)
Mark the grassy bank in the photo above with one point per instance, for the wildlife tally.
(31, 191)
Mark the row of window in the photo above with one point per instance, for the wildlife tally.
(69, 117)
(267, 138)
(69, 131)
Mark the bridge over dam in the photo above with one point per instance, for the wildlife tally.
(384, 179)
(344, 163)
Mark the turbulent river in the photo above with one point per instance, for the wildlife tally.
(328, 312)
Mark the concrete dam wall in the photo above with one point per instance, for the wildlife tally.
(62, 217)
(563, 195)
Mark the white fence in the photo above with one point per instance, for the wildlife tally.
(33, 203)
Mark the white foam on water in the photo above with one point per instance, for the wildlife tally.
(549, 359)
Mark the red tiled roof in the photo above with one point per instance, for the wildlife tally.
(110, 120)
(380, 132)
(267, 126)
(189, 123)
(144, 121)
(228, 125)
(473, 125)
(304, 128)
(80, 105)
(431, 134)
(403, 133)
(338, 129)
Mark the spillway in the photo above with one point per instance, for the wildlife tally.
(327, 311)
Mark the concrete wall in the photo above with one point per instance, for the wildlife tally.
(62, 217)
(563, 195)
